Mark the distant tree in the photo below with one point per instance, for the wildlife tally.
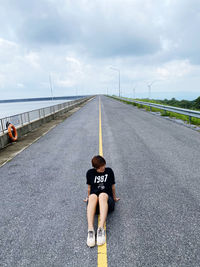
(197, 103)
(185, 104)
(194, 104)
(174, 102)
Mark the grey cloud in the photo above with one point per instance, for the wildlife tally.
(122, 45)
(136, 36)
(38, 22)
(111, 29)
(92, 29)
(181, 28)
(51, 31)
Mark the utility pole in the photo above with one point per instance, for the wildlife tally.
(119, 77)
(50, 83)
(134, 92)
(149, 89)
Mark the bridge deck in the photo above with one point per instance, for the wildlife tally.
(156, 164)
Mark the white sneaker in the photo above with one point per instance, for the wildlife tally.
(91, 239)
(101, 236)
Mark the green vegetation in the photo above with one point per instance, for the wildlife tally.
(195, 104)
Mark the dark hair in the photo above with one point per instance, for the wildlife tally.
(98, 161)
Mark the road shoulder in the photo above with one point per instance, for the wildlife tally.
(13, 149)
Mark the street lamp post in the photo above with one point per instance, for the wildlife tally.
(134, 92)
(50, 83)
(119, 76)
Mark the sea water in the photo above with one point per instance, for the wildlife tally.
(10, 109)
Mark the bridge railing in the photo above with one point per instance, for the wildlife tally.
(22, 119)
(188, 112)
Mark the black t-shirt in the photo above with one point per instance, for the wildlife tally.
(100, 181)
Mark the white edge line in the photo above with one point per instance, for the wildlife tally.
(18, 152)
(15, 154)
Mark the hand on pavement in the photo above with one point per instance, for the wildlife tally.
(86, 199)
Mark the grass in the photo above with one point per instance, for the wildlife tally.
(194, 121)
(160, 102)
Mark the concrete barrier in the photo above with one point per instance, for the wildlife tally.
(22, 130)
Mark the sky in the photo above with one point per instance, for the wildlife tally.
(77, 43)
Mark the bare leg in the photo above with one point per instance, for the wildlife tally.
(103, 205)
(91, 209)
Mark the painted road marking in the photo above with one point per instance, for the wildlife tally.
(35, 140)
(102, 250)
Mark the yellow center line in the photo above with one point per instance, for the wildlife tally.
(102, 250)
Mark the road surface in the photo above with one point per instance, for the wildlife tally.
(157, 169)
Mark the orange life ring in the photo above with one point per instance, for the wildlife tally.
(10, 133)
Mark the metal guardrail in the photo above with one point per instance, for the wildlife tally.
(27, 117)
(188, 112)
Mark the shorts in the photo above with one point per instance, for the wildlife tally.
(111, 203)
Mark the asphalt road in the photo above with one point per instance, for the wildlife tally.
(157, 168)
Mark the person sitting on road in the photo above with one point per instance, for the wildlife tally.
(101, 197)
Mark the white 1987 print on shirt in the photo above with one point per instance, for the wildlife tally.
(101, 179)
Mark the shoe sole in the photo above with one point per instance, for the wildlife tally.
(90, 245)
(100, 244)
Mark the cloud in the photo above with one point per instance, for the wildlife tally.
(100, 29)
(33, 59)
(175, 69)
(20, 85)
(180, 30)
(77, 41)
(7, 49)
